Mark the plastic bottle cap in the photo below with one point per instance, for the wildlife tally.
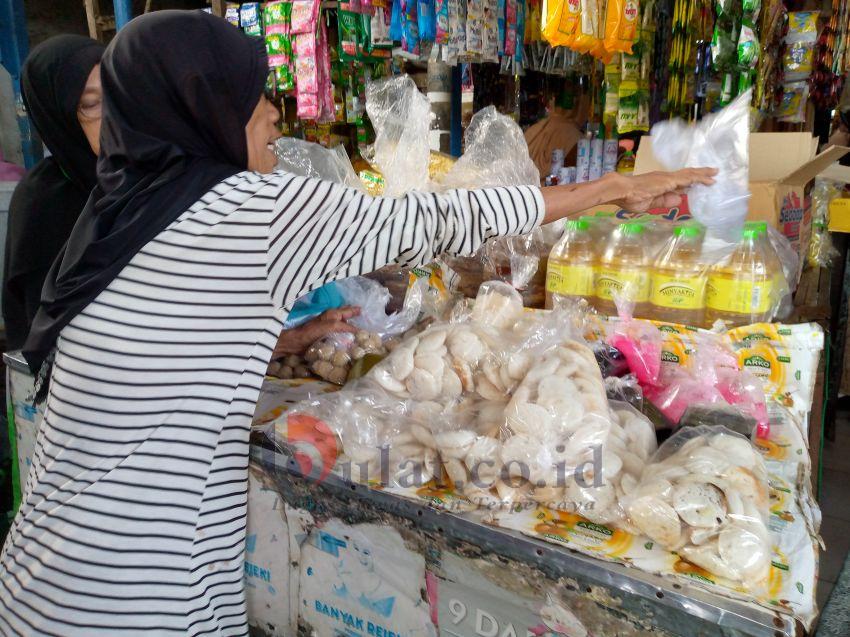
(750, 233)
(687, 230)
(633, 227)
(760, 226)
(577, 224)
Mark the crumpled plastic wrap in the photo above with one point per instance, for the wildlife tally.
(705, 495)
(307, 159)
(719, 140)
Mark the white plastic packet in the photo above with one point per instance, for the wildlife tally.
(721, 141)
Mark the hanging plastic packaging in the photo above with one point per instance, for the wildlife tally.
(621, 25)
(718, 141)
(705, 495)
(401, 116)
(563, 18)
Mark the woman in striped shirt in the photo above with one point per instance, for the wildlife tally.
(164, 311)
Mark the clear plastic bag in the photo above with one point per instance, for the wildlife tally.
(312, 160)
(720, 141)
(705, 495)
(821, 250)
(511, 404)
(372, 298)
(401, 117)
(495, 154)
(332, 357)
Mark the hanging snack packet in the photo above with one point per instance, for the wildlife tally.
(586, 39)
(347, 24)
(792, 109)
(395, 21)
(798, 60)
(621, 25)
(510, 27)
(474, 27)
(305, 14)
(250, 19)
(409, 27)
(442, 22)
(751, 9)
(427, 25)
(748, 46)
(231, 13)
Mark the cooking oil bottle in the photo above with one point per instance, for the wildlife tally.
(742, 288)
(623, 270)
(677, 291)
(570, 270)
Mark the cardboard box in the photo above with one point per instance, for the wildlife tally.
(782, 169)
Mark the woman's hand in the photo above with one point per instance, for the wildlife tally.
(636, 193)
(657, 189)
(298, 339)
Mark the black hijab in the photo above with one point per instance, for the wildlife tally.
(48, 200)
(179, 88)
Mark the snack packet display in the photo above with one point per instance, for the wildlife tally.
(705, 495)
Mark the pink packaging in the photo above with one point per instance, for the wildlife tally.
(305, 15)
(306, 79)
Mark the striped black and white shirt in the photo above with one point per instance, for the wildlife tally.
(133, 520)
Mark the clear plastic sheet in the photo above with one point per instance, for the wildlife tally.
(719, 140)
(312, 160)
(705, 495)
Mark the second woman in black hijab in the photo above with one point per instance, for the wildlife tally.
(61, 90)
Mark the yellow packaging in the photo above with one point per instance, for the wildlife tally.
(621, 25)
(587, 35)
(562, 20)
(373, 181)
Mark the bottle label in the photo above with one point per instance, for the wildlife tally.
(569, 280)
(632, 285)
(678, 292)
(737, 296)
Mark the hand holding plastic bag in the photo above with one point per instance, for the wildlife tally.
(721, 141)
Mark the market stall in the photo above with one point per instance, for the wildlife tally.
(640, 392)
